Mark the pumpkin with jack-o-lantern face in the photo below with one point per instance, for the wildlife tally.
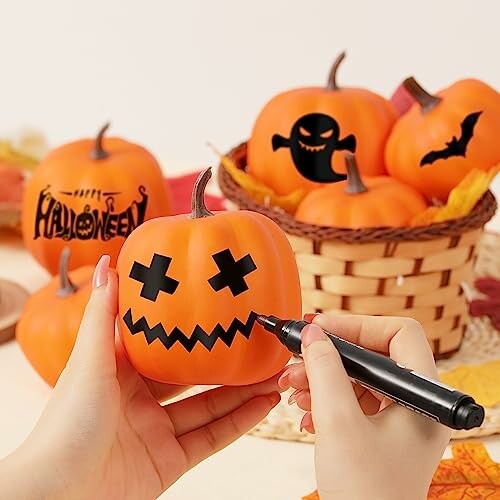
(190, 288)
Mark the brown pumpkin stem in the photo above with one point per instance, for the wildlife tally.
(67, 287)
(98, 153)
(198, 207)
(354, 183)
(427, 101)
(332, 77)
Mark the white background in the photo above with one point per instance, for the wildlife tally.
(172, 75)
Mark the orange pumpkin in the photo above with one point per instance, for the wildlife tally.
(374, 202)
(89, 195)
(296, 139)
(443, 136)
(190, 287)
(51, 318)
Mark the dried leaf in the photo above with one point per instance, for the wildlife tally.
(426, 217)
(461, 200)
(259, 192)
(469, 475)
(480, 381)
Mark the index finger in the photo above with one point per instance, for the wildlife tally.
(403, 339)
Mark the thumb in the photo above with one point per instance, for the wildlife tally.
(94, 348)
(333, 402)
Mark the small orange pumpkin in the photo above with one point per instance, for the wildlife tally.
(190, 287)
(374, 202)
(51, 318)
(443, 136)
(297, 136)
(89, 195)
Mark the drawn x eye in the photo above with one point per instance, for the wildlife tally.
(304, 132)
(153, 278)
(231, 272)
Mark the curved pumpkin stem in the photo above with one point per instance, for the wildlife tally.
(198, 207)
(332, 77)
(427, 101)
(354, 183)
(98, 153)
(66, 287)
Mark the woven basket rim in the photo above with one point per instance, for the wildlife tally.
(482, 213)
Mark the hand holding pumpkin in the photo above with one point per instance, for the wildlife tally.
(104, 430)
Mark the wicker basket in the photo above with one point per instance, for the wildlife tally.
(416, 272)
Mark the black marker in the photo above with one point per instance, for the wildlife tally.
(382, 374)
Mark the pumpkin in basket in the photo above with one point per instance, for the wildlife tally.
(190, 287)
(443, 136)
(89, 195)
(297, 137)
(374, 202)
(51, 318)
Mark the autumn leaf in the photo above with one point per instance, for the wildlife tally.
(258, 191)
(461, 200)
(480, 381)
(469, 475)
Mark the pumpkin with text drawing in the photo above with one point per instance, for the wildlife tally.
(299, 137)
(89, 195)
(51, 318)
(444, 136)
(190, 288)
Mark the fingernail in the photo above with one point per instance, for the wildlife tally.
(312, 333)
(309, 317)
(283, 380)
(306, 421)
(294, 396)
(100, 277)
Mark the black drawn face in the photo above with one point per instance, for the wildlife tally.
(315, 133)
(455, 147)
(313, 140)
(155, 280)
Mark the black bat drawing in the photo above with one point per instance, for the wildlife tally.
(455, 147)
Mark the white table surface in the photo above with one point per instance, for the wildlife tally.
(250, 469)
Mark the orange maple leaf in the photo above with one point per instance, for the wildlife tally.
(469, 475)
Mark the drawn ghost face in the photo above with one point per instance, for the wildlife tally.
(313, 140)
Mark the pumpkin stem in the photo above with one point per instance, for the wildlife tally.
(198, 207)
(98, 153)
(332, 77)
(67, 287)
(354, 183)
(427, 101)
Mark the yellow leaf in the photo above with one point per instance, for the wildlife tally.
(259, 192)
(480, 381)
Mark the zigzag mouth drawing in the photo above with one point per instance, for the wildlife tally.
(314, 149)
(199, 335)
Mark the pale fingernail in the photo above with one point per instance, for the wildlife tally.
(294, 396)
(306, 420)
(100, 277)
(283, 381)
(312, 333)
